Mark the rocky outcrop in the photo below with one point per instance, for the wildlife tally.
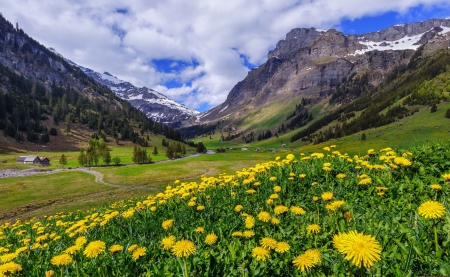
(311, 63)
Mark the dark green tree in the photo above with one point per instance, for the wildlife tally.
(82, 159)
(201, 147)
(447, 114)
(363, 136)
(155, 151)
(63, 160)
(434, 108)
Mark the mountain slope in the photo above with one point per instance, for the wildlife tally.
(154, 104)
(311, 64)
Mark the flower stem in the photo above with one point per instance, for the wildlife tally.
(349, 269)
(185, 268)
(435, 238)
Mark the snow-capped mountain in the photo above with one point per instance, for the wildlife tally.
(154, 104)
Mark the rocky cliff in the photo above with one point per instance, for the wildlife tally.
(311, 63)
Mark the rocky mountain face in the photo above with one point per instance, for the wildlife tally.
(154, 104)
(311, 63)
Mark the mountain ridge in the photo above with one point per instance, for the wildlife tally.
(155, 105)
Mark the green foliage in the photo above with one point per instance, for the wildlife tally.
(363, 136)
(63, 160)
(155, 151)
(447, 113)
(201, 147)
(140, 155)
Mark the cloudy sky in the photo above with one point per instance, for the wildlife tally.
(194, 51)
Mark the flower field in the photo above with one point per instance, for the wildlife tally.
(326, 214)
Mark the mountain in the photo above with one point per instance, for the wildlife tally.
(154, 104)
(42, 95)
(311, 65)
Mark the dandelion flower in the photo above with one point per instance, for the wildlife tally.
(183, 248)
(199, 230)
(282, 247)
(168, 242)
(260, 253)
(8, 257)
(365, 181)
(72, 249)
(248, 234)
(446, 176)
(93, 249)
(269, 201)
(273, 196)
(327, 196)
(276, 188)
(80, 241)
(338, 203)
(326, 148)
(237, 234)
(436, 187)
(348, 216)
(238, 208)
(132, 247)
(402, 161)
(167, 224)
(307, 260)
(341, 176)
(115, 248)
(431, 209)
(200, 208)
(275, 221)
(250, 191)
(290, 157)
(313, 228)
(139, 252)
(264, 216)
(273, 178)
(249, 222)
(302, 176)
(280, 209)
(211, 239)
(61, 260)
(50, 273)
(315, 198)
(298, 210)
(10, 267)
(362, 250)
(269, 243)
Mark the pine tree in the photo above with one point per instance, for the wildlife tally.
(63, 160)
(447, 114)
(155, 151)
(363, 136)
(434, 108)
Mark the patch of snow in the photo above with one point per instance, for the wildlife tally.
(111, 78)
(223, 109)
(321, 30)
(400, 44)
(137, 97)
(400, 25)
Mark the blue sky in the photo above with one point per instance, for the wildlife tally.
(195, 51)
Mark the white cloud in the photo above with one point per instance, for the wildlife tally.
(123, 37)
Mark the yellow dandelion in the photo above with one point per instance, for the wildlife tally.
(276, 189)
(211, 239)
(273, 196)
(282, 247)
(362, 250)
(61, 260)
(80, 241)
(139, 252)
(9, 268)
(371, 151)
(327, 196)
(338, 203)
(298, 210)
(273, 178)
(95, 248)
(8, 257)
(50, 273)
(341, 176)
(250, 191)
(192, 203)
(381, 188)
(314, 255)
(264, 216)
(436, 187)
(115, 248)
(326, 148)
(275, 221)
(280, 209)
(200, 208)
(446, 176)
(167, 224)
(315, 198)
(72, 249)
(302, 176)
(307, 260)
(238, 208)
(402, 161)
(199, 230)
(237, 234)
(269, 201)
(248, 234)
(132, 247)
(249, 222)
(365, 181)
(431, 209)
(168, 242)
(183, 248)
(268, 243)
(290, 157)
(260, 253)
(313, 228)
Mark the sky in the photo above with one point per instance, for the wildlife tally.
(195, 51)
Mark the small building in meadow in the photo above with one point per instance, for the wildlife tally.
(44, 161)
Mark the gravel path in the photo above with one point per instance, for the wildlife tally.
(7, 173)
